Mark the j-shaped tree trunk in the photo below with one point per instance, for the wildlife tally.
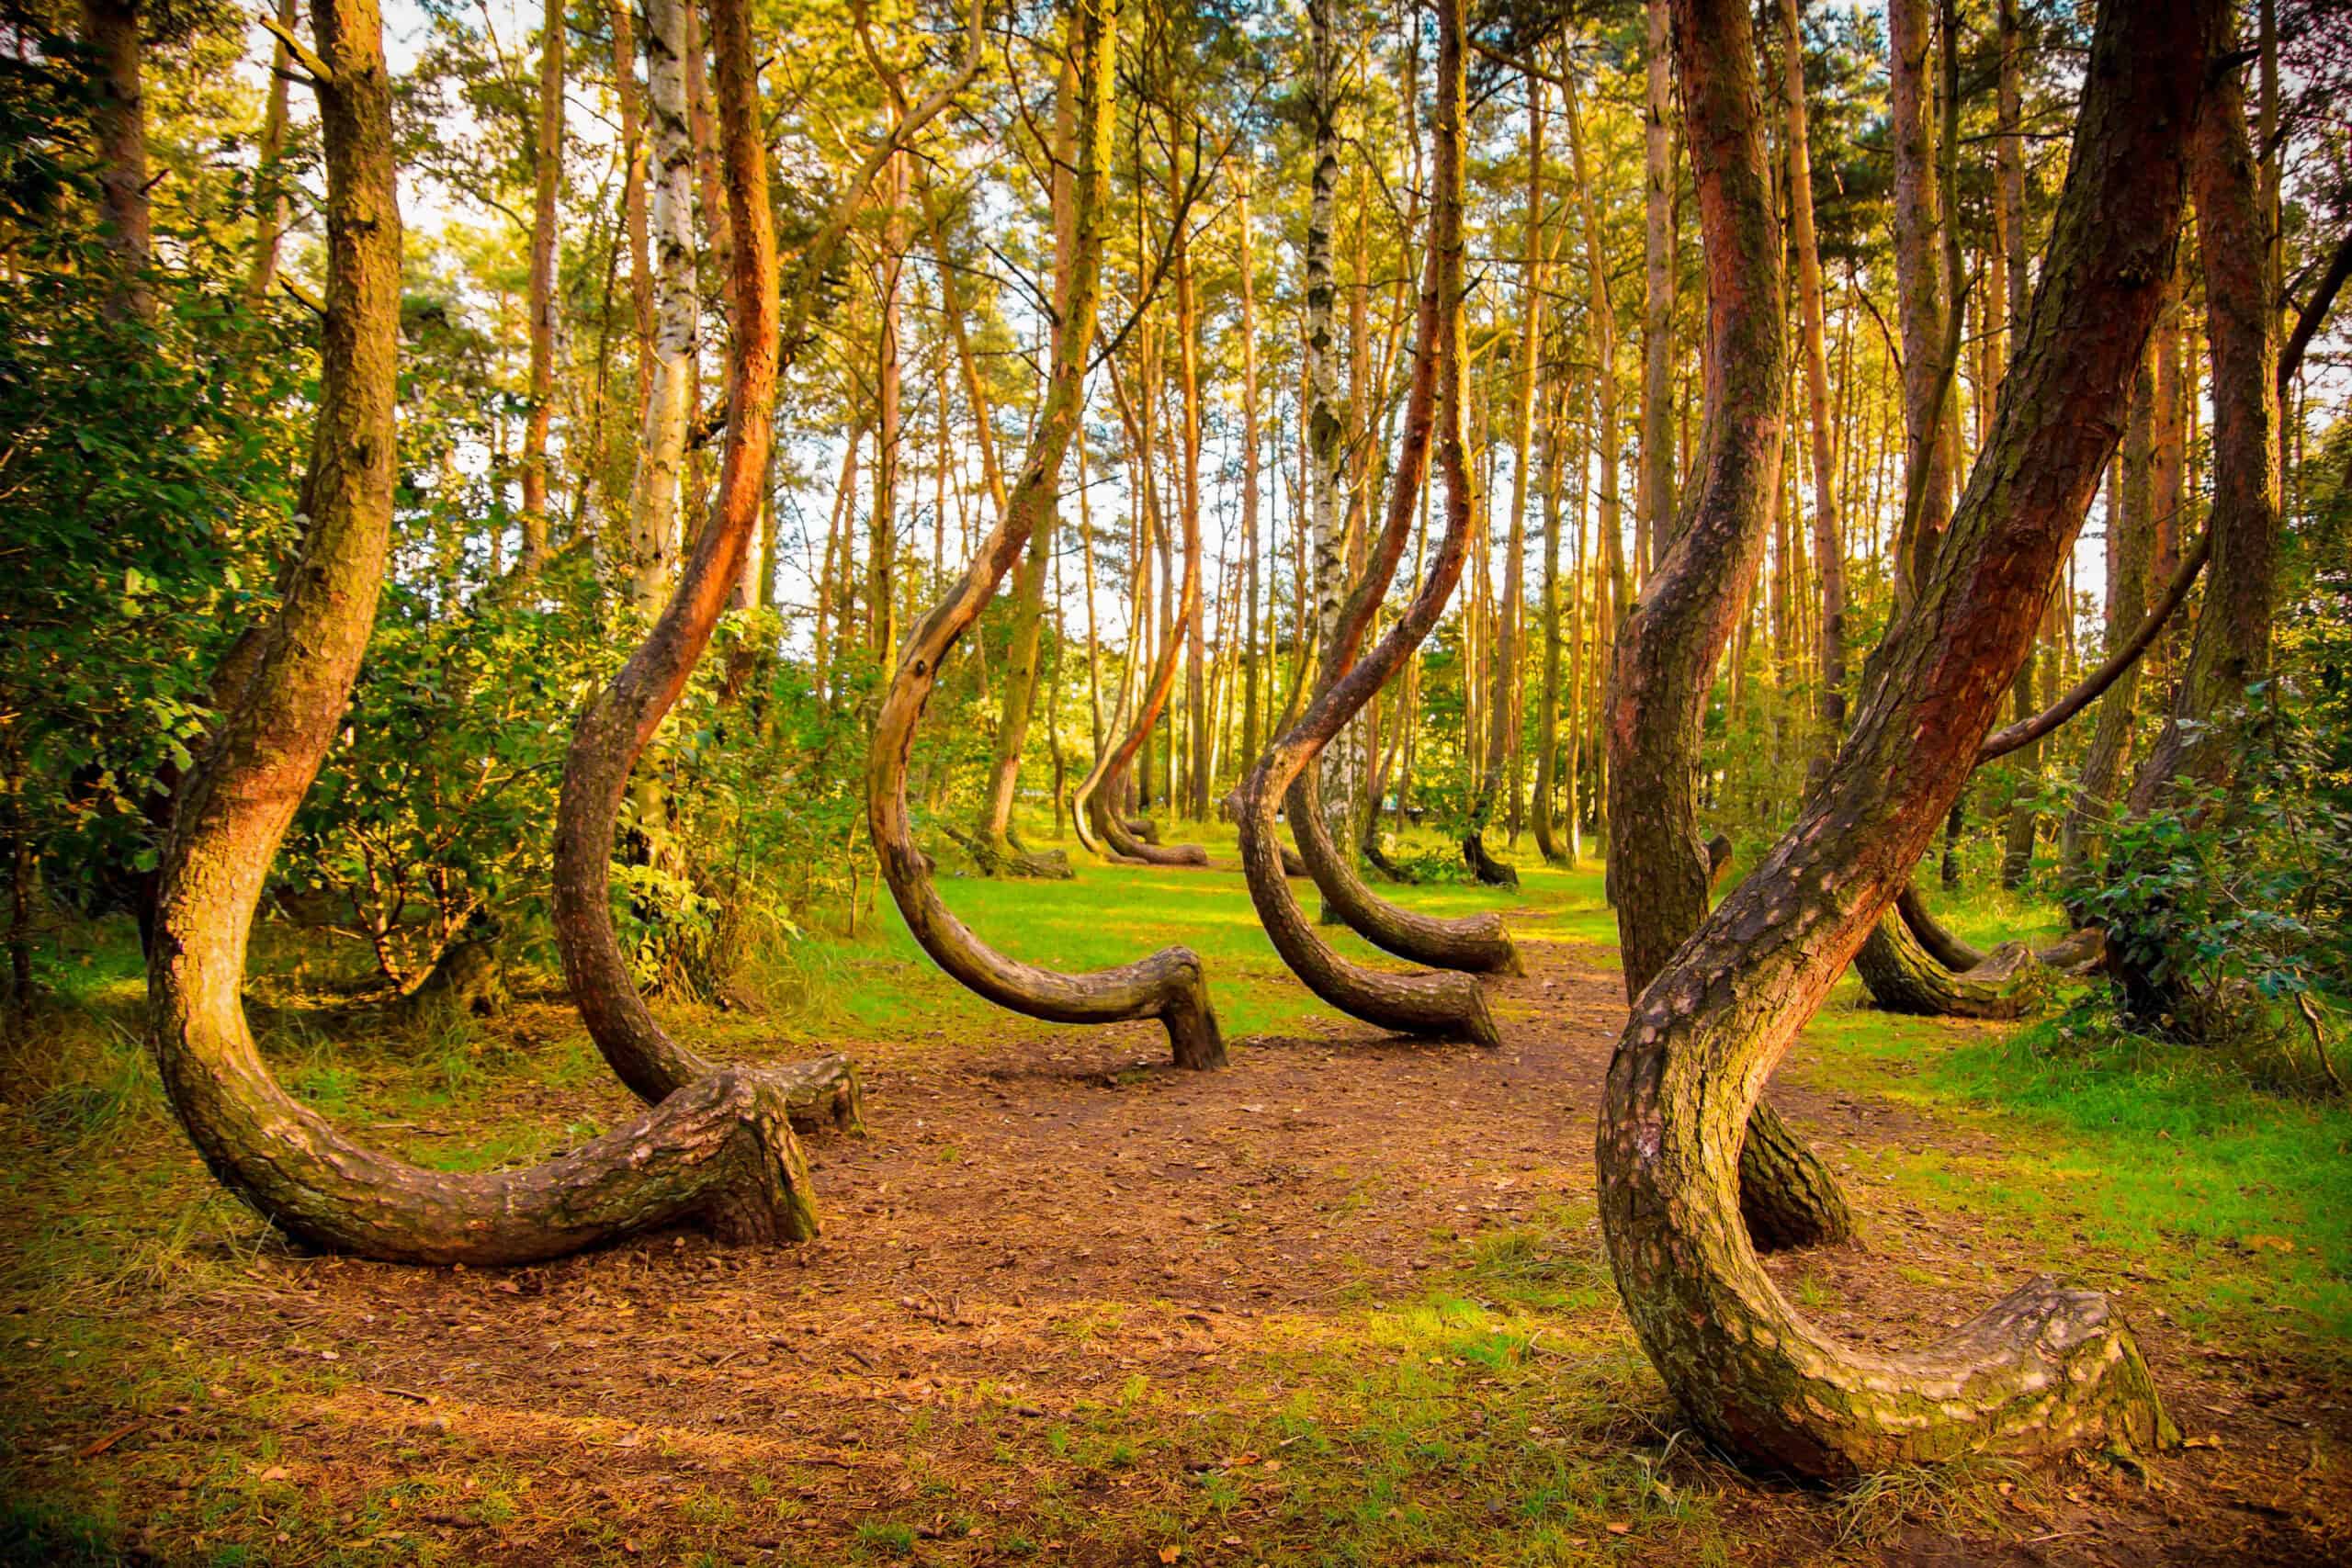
(1440, 1004)
(1171, 985)
(1904, 976)
(1659, 869)
(2205, 733)
(1098, 794)
(2047, 1369)
(996, 849)
(619, 722)
(721, 1153)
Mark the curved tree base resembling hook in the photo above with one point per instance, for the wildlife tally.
(1903, 976)
(1475, 945)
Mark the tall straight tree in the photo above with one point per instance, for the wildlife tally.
(662, 437)
(1658, 285)
(547, 172)
(1829, 546)
(1502, 708)
(1920, 287)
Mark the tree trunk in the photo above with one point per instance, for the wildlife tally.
(1920, 287)
(1658, 499)
(995, 851)
(621, 720)
(1502, 742)
(269, 178)
(721, 1153)
(662, 441)
(633, 213)
(1172, 985)
(2206, 730)
(2130, 542)
(2046, 1370)
(547, 161)
(119, 116)
(1664, 663)
(1245, 264)
(1446, 1004)
(1828, 548)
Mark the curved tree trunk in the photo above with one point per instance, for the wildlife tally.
(721, 1152)
(1955, 953)
(1171, 985)
(2046, 1370)
(614, 731)
(1659, 870)
(1903, 975)
(1440, 1004)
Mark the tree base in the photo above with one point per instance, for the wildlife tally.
(1490, 871)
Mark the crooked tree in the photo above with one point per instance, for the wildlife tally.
(2047, 1369)
(720, 1152)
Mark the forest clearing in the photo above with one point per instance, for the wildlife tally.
(1277, 784)
(1343, 1301)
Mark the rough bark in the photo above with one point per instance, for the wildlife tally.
(1171, 985)
(2047, 1369)
(1440, 1004)
(634, 219)
(1903, 975)
(721, 1154)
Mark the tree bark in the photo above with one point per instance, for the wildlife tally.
(1172, 985)
(118, 115)
(269, 179)
(721, 1154)
(1920, 290)
(1444, 1004)
(2046, 1370)
(662, 441)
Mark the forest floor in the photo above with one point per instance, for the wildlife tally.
(1342, 1302)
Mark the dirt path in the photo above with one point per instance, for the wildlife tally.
(1062, 1286)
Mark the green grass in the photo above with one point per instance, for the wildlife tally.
(2230, 1200)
